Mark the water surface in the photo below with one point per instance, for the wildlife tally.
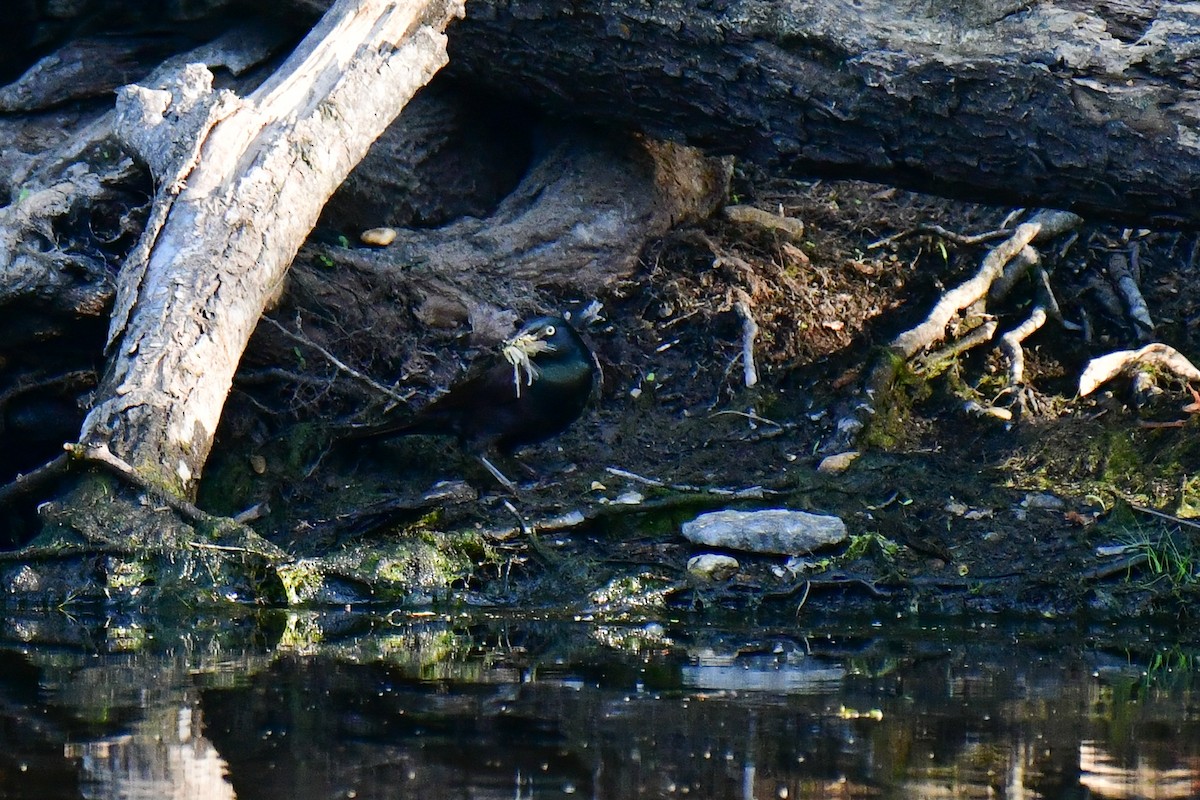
(393, 706)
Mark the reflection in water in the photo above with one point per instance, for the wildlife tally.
(1104, 777)
(164, 757)
(353, 707)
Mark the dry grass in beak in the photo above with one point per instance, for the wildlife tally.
(518, 352)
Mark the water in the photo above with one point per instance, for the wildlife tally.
(300, 706)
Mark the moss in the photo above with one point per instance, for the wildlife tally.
(125, 574)
(640, 592)
(1189, 498)
(891, 425)
(302, 581)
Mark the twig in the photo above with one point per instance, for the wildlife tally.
(224, 548)
(338, 363)
(949, 235)
(749, 333)
(633, 476)
(751, 492)
(1101, 571)
(1171, 517)
(276, 374)
(748, 415)
(70, 380)
(547, 556)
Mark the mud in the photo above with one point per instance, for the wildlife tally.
(1036, 515)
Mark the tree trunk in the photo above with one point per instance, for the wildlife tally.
(244, 181)
(1086, 107)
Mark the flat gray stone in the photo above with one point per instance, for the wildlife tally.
(779, 530)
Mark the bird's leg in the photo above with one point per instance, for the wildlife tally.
(503, 479)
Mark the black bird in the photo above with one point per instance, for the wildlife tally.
(532, 389)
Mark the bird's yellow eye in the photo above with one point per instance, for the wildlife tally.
(549, 330)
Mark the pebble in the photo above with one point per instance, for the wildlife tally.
(838, 463)
(378, 237)
(712, 567)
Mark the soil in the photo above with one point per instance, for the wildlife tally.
(947, 511)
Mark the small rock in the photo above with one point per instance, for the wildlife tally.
(957, 508)
(630, 498)
(712, 567)
(450, 492)
(779, 530)
(838, 463)
(378, 237)
(258, 464)
(749, 215)
(1044, 501)
(976, 410)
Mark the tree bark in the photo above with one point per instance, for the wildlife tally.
(1086, 107)
(244, 181)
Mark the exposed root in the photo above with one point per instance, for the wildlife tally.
(1000, 269)
(1127, 286)
(102, 456)
(945, 233)
(935, 362)
(1013, 272)
(1044, 225)
(1128, 362)
(1010, 344)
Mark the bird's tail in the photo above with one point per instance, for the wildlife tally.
(384, 430)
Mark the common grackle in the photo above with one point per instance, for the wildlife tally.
(532, 389)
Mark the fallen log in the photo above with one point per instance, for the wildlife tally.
(1083, 107)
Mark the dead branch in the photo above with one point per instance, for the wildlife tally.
(1127, 362)
(766, 221)
(834, 87)
(246, 179)
(30, 482)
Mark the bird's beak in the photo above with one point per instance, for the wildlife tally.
(518, 351)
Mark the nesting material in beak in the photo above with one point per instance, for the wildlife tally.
(518, 351)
